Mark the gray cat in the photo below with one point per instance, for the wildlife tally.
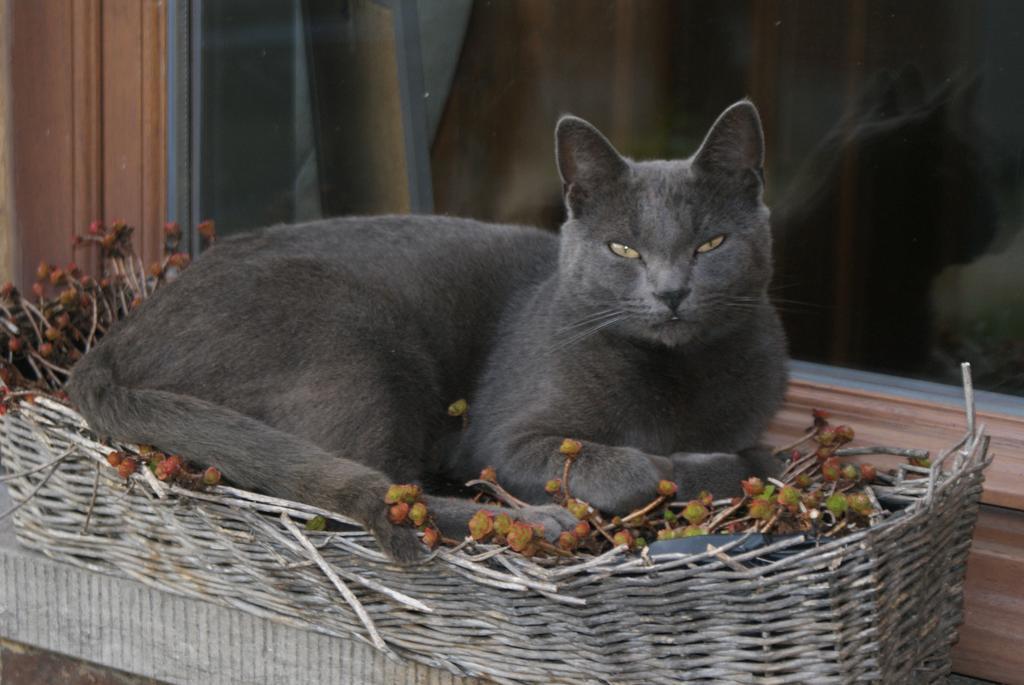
(315, 362)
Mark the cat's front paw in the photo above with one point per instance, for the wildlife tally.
(554, 518)
(400, 543)
(621, 480)
(720, 473)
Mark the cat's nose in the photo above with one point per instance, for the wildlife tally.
(672, 298)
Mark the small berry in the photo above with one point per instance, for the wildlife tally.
(57, 276)
(670, 516)
(169, 467)
(868, 472)
(789, 497)
(63, 321)
(752, 486)
(578, 509)
(803, 481)
(694, 531)
(831, 470)
(7, 291)
(859, 503)
(127, 467)
(171, 229)
(95, 227)
(761, 509)
(42, 271)
(823, 453)
(418, 514)
(458, 408)
(46, 350)
(502, 524)
(402, 493)
(667, 488)
(570, 447)
(489, 474)
(837, 504)
(207, 229)
(481, 525)
(155, 270)
(705, 498)
(431, 537)
(623, 537)
(567, 541)
(795, 456)
(108, 241)
(68, 297)
(581, 530)
(15, 344)
(211, 476)
(37, 289)
(520, 535)
(851, 472)
(179, 260)
(115, 458)
(553, 486)
(826, 437)
(695, 512)
(397, 513)
(844, 434)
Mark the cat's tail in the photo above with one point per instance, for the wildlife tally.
(248, 452)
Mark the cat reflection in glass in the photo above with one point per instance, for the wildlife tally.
(315, 362)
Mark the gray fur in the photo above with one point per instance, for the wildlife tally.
(316, 361)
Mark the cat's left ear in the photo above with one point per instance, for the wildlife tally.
(587, 162)
(735, 143)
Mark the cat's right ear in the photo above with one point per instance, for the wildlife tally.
(586, 161)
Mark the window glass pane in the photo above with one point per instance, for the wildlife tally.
(895, 135)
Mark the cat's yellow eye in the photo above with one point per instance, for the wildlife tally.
(711, 244)
(623, 250)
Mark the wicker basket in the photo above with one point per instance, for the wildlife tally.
(880, 605)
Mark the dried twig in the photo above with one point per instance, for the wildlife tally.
(498, 493)
(92, 500)
(352, 600)
(796, 443)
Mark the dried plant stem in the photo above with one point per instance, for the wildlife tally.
(644, 511)
(498, 493)
(37, 488)
(796, 443)
(569, 459)
(724, 514)
(92, 500)
(598, 524)
(352, 600)
(29, 310)
(877, 449)
(95, 322)
(29, 472)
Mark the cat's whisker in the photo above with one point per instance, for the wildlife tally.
(589, 320)
(579, 337)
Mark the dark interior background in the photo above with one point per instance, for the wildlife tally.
(895, 137)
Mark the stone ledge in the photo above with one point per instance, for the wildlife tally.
(125, 625)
